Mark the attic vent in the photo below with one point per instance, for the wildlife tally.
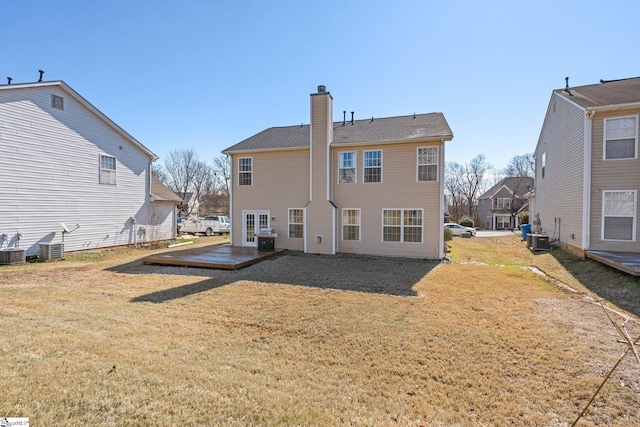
(57, 102)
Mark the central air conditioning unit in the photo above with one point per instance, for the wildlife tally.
(50, 251)
(12, 256)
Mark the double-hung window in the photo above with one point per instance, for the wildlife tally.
(372, 166)
(428, 164)
(350, 224)
(296, 223)
(619, 215)
(245, 171)
(347, 167)
(503, 203)
(107, 170)
(402, 225)
(621, 138)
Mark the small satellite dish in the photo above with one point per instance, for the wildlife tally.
(64, 227)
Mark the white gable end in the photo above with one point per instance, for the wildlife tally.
(50, 168)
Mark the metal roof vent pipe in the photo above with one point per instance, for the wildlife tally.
(322, 89)
(9, 80)
(41, 73)
(344, 117)
(352, 117)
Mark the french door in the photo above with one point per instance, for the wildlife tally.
(252, 221)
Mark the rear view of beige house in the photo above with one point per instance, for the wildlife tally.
(588, 171)
(372, 186)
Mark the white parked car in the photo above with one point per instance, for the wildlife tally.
(458, 229)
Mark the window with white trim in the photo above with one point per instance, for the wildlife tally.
(503, 222)
(620, 138)
(245, 171)
(350, 224)
(402, 225)
(107, 170)
(619, 215)
(296, 223)
(543, 162)
(347, 167)
(428, 164)
(503, 203)
(372, 166)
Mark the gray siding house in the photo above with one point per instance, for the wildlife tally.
(63, 163)
(498, 207)
(587, 169)
(372, 186)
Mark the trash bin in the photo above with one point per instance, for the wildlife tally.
(526, 229)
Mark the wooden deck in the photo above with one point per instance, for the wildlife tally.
(219, 256)
(629, 262)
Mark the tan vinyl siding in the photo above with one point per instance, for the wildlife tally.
(280, 182)
(319, 211)
(617, 175)
(399, 190)
(559, 195)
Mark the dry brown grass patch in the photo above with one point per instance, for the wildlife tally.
(304, 340)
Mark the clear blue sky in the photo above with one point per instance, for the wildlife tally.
(208, 74)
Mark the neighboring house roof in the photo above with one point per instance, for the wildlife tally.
(419, 127)
(605, 93)
(66, 88)
(162, 193)
(186, 197)
(521, 186)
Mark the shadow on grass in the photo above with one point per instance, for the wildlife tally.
(620, 289)
(377, 275)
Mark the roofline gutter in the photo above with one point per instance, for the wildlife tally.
(613, 107)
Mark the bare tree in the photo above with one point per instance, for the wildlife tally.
(216, 197)
(520, 171)
(186, 173)
(474, 181)
(452, 185)
(521, 166)
(465, 183)
(158, 171)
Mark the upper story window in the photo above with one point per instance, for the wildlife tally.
(428, 164)
(619, 215)
(107, 170)
(296, 223)
(57, 102)
(620, 138)
(347, 167)
(503, 203)
(543, 162)
(372, 171)
(245, 171)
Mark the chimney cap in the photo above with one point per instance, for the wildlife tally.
(322, 88)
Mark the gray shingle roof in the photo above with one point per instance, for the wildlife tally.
(613, 92)
(523, 184)
(161, 192)
(380, 130)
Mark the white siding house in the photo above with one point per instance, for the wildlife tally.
(63, 161)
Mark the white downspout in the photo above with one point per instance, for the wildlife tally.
(586, 183)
